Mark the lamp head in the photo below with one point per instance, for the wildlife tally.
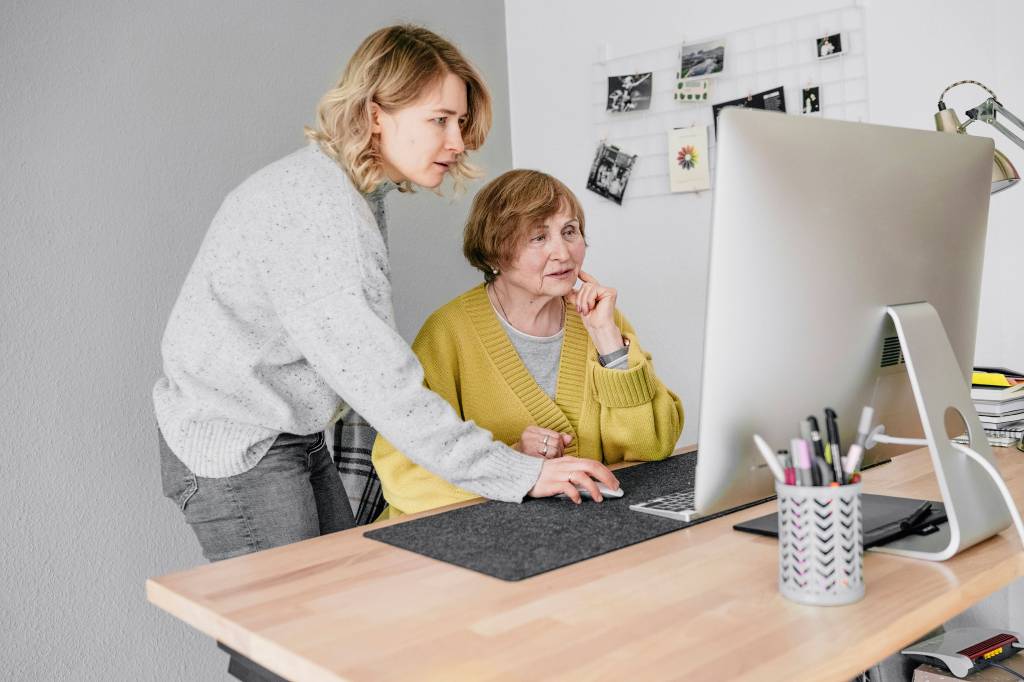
(1004, 174)
(946, 120)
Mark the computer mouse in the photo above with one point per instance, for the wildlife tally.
(605, 491)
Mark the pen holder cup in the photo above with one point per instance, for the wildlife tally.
(821, 544)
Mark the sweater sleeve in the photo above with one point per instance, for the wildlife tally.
(640, 418)
(407, 487)
(373, 370)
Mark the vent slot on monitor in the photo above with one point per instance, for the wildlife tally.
(892, 352)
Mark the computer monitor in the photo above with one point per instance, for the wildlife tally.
(818, 226)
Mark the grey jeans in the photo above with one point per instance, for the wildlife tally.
(293, 493)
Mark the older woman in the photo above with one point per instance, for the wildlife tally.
(548, 369)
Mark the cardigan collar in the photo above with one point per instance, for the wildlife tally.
(561, 414)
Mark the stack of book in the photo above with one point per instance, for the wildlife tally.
(998, 398)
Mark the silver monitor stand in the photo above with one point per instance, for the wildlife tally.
(974, 506)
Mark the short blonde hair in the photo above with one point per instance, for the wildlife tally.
(506, 209)
(393, 67)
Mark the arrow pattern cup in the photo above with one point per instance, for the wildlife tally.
(821, 544)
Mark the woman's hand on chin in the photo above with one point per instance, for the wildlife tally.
(596, 306)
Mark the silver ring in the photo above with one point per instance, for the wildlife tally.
(547, 437)
(544, 452)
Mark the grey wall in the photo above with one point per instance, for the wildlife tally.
(122, 127)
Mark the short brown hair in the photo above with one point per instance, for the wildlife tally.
(392, 68)
(506, 209)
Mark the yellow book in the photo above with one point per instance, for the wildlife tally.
(989, 379)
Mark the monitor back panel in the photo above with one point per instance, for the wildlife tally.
(817, 226)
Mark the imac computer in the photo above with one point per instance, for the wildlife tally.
(845, 269)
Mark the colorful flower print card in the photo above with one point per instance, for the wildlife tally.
(688, 159)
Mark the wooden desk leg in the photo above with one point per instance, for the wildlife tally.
(243, 669)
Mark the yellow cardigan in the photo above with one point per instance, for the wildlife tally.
(612, 414)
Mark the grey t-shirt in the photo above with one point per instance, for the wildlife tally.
(540, 355)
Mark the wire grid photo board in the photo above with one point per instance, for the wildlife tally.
(757, 59)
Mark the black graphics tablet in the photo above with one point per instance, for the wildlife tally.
(882, 517)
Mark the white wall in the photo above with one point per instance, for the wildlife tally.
(653, 251)
(957, 41)
(122, 127)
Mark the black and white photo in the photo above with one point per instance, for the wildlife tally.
(810, 99)
(703, 60)
(769, 100)
(631, 92)
(830, 46)
(610, 171)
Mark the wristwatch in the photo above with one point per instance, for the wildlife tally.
(606, 360)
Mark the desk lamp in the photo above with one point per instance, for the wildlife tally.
(1003, 173)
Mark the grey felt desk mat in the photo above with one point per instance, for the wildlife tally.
(515, 541)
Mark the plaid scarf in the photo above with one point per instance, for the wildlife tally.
(352, 444)
(352, 437)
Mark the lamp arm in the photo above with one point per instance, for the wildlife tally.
(1008, 133)
(987, 110)
(1008, 114)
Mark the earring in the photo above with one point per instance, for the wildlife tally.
(494, 271)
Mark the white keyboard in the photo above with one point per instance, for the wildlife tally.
(678, 506)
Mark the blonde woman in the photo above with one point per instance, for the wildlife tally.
(550, 369)
(286, 316)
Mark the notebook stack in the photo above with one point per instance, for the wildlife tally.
(999, 400)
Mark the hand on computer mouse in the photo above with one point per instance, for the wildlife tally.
(601, 487)
(564, 474)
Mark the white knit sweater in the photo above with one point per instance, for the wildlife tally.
(286, 314)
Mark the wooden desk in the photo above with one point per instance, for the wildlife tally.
(698, 604)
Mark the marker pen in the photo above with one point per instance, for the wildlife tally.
(819, 448)
(802, 460)
(853, 459)
(864, 427)
(832, 425)
(805, 434)
(824, 472)
(770, 459)
(787, 467)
